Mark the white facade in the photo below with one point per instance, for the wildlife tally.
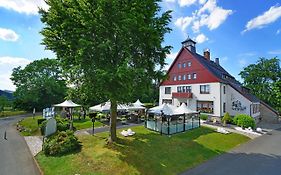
(235, 102)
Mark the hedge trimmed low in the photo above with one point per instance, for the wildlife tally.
(244, 121)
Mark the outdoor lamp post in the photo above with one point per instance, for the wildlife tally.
(93, 117)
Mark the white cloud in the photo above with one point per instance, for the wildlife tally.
(242, 62)
(172, 55)
(6, 66)
(187, 3)
(8, 35)
(275, 52)
(170, 0)
(201, 38)
(29, 7)
(202, 1)
(210, 15)
(267, 17)
(183, 22)
(278, 31)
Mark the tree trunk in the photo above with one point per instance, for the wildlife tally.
(113, 118)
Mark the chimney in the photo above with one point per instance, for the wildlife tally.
(217, 61)
(207, 54)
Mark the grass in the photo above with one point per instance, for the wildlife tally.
(11, 113)
(146, 152)
(30, 126)
(85, 123)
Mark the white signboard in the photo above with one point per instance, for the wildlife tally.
(51, 127)
(49, 113)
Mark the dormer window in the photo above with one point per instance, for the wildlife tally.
(179, 77)
(194, 76)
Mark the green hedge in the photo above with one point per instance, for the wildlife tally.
(203, 116)
(61, 143)
(244, 121)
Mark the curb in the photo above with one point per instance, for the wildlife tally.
(34, 160)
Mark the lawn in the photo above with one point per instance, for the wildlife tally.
(31, 126)
(85, 123)
(11, 113)
(146, 152)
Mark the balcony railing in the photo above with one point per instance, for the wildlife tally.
(182, 95)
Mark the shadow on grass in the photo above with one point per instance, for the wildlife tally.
(151, 153)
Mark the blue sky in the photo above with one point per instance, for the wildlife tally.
(236, 31)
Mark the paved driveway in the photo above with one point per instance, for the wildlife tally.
(261, 156)
(15, 157)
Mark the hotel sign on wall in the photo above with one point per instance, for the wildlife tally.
(237, 106)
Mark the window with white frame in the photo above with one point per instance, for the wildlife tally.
(179, 77)
(175, 78)
(167, 90)
(189, 76)
(189, 64)
(184, 77)
(194, 76)
(204, 89)
(183, 65)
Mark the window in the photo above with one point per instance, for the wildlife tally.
(179, 77)
(184, 89)
(175, 78)
(223, 89)
(179, 88)
(188, 89)
(204, 89)
(183, 65)
(184, 77)
(189, 64)
(194, 76)
(205, 106)
(167, 101)
(223, 107)
(167, 90)
(179, 65)
(189, 76)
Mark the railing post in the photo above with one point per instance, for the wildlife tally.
(192, 122)
(184, 122)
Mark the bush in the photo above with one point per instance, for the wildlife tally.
(61, 143)
(40, 121)
(226, 118)
(244, 121)
(62, 125)
(203, 116)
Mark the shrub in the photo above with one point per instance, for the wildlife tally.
(244, 121)
(61, 143)
(62, 125)
(40, 120)
(203, 116)
(226, 118)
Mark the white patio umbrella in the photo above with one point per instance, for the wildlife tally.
(183, 109)
(105, 107)
(138, 103)
(167, 109)
(67, 103)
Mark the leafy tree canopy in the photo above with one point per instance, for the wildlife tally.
(109, 48)
(264, 80)
(39, 84)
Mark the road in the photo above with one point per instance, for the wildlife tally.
(261, 156)
(15, 157)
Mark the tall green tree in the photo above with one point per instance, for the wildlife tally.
(39, 84)
(264, 79)
(112, 47)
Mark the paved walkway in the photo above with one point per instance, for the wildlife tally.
(15, 157)
(261, 156)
